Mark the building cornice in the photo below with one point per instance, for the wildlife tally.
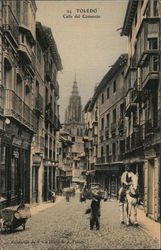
(129, 16)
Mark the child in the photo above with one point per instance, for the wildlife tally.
(94, 209)
(95, 212)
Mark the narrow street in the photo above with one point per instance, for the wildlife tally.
(65, 226)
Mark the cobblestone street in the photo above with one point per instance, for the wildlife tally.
(65, 226)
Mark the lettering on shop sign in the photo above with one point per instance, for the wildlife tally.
(81, 14)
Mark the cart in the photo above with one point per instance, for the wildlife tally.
(14, 217)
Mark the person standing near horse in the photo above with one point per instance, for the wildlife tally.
(126, 180)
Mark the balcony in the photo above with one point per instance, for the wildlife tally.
(150, 73)
(16, 108)
(24, 53)
(144, 48)
(113, 129)
(39, 105)
(28, 31)
(121, 125)
(11, 26)
(130, 103)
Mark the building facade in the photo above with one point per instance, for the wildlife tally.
(126, 108)
(142, 26)
(107, 128)
(64, 171)
(18, 119)
(29, 115)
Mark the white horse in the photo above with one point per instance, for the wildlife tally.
(131, 201)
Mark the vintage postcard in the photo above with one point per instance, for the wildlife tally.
(80, 115)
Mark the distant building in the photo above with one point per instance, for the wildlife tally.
(64, 170)
(106, 129)
(74, 124)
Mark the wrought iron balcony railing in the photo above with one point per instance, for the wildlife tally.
(16, 108)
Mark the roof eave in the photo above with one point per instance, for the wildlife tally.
(130, 12)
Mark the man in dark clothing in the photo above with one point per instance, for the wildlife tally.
(95, 212)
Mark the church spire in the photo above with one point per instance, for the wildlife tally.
(75, 88)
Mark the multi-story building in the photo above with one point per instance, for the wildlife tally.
(74, 124)
(29, 115)
(17, 114)
(38, 144)
(142, 26)
(64, 171)
(106, 128)
(53, 64)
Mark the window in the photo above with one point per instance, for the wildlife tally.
(155, 63)
(18, 10)
(108, 120)
(25, 12)
(155, 8)
(114, 151)
(122, 107)
(3, 151)
(102, 154)
(122, 147)
(96, 118)
(114, 86)
(108, 92)
(102, 123)
(107, 153)
(153, 43)
(102, 98)
(114, 116)
(38, 53)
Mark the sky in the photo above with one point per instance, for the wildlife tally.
(88, 46)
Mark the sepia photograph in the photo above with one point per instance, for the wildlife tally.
(80, 124)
